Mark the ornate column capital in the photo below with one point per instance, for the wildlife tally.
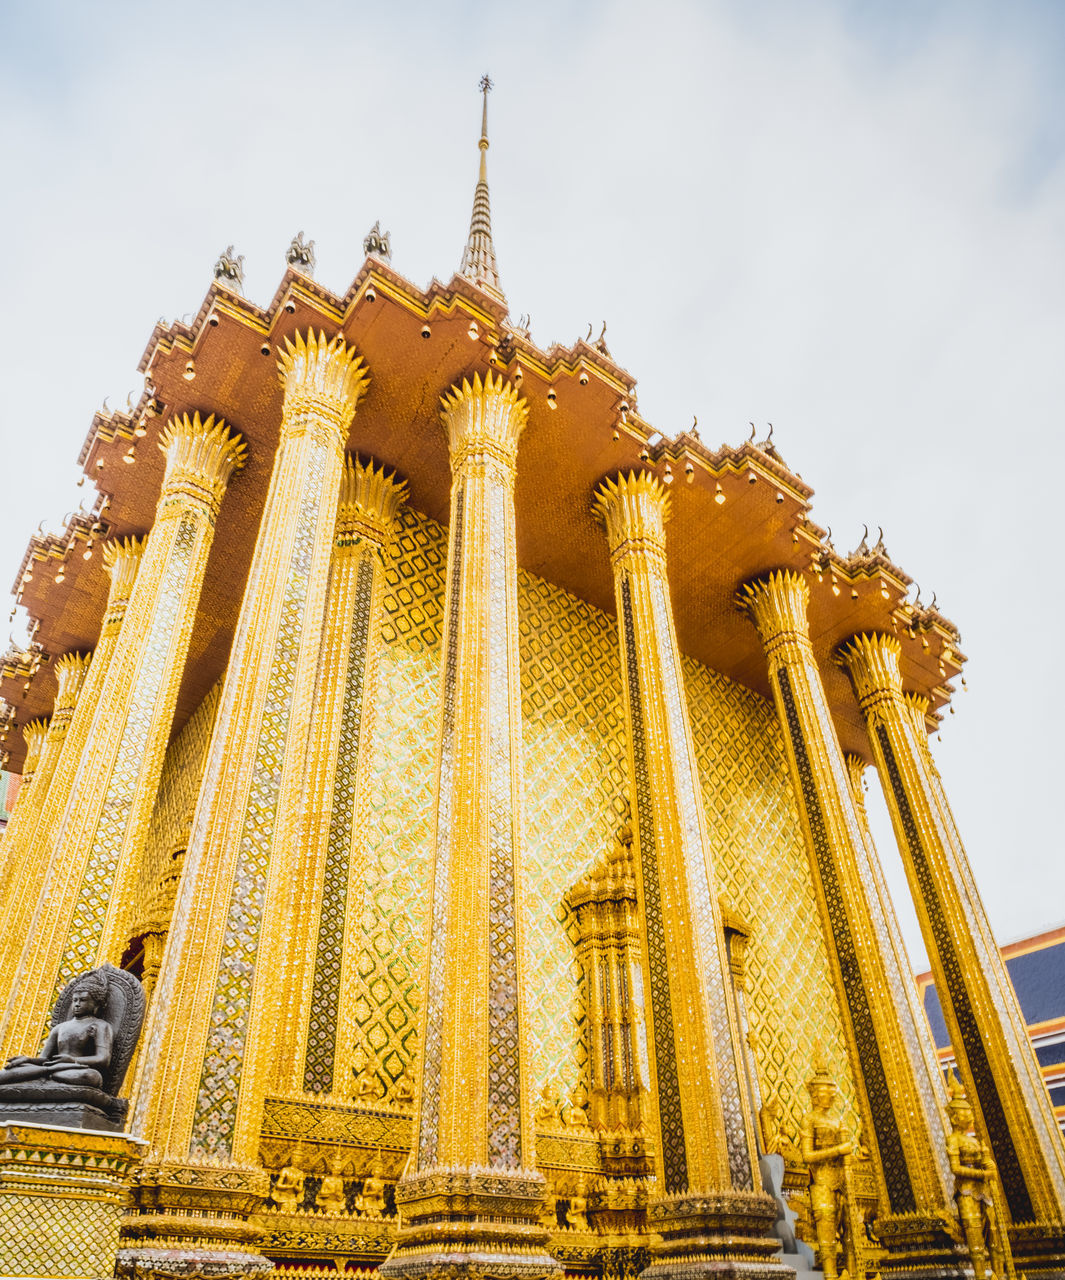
(872, 660)
(70, 672)
(201, 458)
(122, 559)
(777, 605)
(918, 706)
(324, 380)
(855, 776)
(34, 734)
(370, 499)
(484, 421)
(634, 509)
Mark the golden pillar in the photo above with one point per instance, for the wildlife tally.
(122, 559)
(70, 672)
(994, 1055)
(210, 1050)
(471, 1201)
(898, 959)
(81, 919)
(708, 1207)
(317, 1027)
(900, 1097)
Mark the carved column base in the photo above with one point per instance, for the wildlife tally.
(922, 1245)
(726, 1233)
(478, 1223)
(192, 1218)
(1039, 1250)
(61, 1198)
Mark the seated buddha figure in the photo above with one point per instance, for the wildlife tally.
(78, 1050)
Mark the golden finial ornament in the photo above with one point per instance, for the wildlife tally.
(479, 257)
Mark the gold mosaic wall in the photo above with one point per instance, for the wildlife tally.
(175, 801)
(764, 875)
(575, 801)
(399, 821)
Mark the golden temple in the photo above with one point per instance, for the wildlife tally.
(473, 778)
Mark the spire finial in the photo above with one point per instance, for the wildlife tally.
(486, 89)
(479, 257)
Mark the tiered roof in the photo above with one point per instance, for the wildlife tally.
(737, 510)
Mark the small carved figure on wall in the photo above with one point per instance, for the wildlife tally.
(405, 1089)
(547, 1105)
(368, 1087)
(75, 1079)
(549, 1212)
(577, 1212)
(577, 1112)
(287, 1191)
(826, 1153)
(330, 1198)
(371, 1200)
(974, 1188)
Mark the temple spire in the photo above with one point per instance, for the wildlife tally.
(479, 256)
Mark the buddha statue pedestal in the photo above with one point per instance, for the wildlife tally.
(61, 1197)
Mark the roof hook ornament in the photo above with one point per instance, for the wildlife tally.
(378, 242)
(880, 549)
(768, 447)
(862, 549)
(300, 254)
(229, 269)
(600, 342)
(750, 438)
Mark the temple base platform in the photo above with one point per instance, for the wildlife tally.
(62, 1192)
(1038, 1250)
(194, 1219)
(920, 1246)
(476, 1223)
(717, 1234)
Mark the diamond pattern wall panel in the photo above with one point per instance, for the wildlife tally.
(764, 874)
(575, 800)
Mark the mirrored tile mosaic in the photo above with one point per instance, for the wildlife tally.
(217, 1098)
(158, 663)
(328, 961)
(764, 875)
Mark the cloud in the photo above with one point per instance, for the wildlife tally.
(843, 218)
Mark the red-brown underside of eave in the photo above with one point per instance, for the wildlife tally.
(564, 453)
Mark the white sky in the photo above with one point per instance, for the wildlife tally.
(844, 218)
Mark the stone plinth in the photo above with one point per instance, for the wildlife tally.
(62, 1192)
